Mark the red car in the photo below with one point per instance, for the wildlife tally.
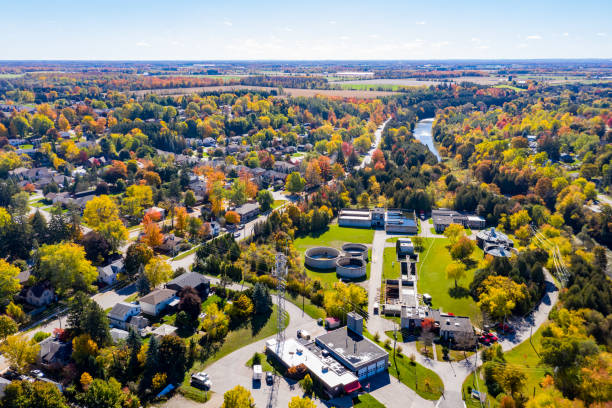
(484, 340)
(493, 338)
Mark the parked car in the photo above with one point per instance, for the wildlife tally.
(269, 378)
(237, 234)
(37, 373)
(493, 338)
(484, 340)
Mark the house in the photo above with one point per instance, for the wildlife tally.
(248, 211)
(164, 330)
(155, 302)
(191, 279)
(3, 384)
(118, 335)
(215, 228)
(285, 167)
(40, 294)
(108, 273)
(120, 314)
(170, 244)
(54, 353)
(272, 177)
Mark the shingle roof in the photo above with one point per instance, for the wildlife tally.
(157, 296)
(192, 279)
(120, 310)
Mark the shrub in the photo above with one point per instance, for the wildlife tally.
(40, 336)
(376, 337)
(387, 344)
(256, 359)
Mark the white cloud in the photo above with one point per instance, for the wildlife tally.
(483, 47)
(143, 44)
(289, 29)
(534, 37)
(345, 37)
(522, 45)
(421, 23)
(602, 34)
(374, 36)
(228, 23)
(440, 44)
(565, 34)
(332, 22)
(475, 40)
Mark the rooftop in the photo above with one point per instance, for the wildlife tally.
(354, 349)
(157, 296)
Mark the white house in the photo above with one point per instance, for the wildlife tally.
(155, 302)
(120, 314)
(108, 273)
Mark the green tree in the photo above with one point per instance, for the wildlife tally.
(39, 394)
(462, 249)
(138, 255)
(500, 296)
(7, 326)
(103, 394)
(307, 384)
(173, 353)
(65, 266)
(265, 200)
(238, 193)
(102, 215)
(238, 397)
(189, 200)
(9, 282)
(295, 183)
(262, 301)
(453, 232)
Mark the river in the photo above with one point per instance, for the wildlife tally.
(422, 133)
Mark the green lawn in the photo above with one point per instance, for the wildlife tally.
(432, 279)
(422, 380)
(391, 267)
(310, 309)
(335, 237)
(186, 253)
(265, 365)
(366, 401)
(523, 356)
(514, 88)
(278, 203)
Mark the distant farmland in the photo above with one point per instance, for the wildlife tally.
(344, 93)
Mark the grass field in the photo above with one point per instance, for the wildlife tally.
(432, 279)
(335, 236)
(391, 267)
(366, 401)
(278, 203)
(523, 356)
(310, 309)
(422, 380)
(514, 88)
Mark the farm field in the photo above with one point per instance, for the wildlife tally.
(432, 279)
(346, 93)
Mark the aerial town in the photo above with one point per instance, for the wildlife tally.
(324, 233)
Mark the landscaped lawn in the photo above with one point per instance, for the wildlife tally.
(422, 380)
(335, 236)
(366, 401)
(310, 309)
(391, 267)
(432, 279)
(278, 203)
(523, 356)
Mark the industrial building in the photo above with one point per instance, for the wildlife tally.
(392, 220)
(338, 360)
(442, 218)
(495, 243)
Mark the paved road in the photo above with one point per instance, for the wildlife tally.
(377, 137)
(376, 268)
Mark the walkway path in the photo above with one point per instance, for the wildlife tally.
(377, 138)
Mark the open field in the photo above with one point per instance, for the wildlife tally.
(345, 93)
(366, 401)
(432, 279)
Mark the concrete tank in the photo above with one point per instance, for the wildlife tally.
(321, 258)
(356, 250)
(351, 267)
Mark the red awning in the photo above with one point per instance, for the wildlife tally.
(352, 387)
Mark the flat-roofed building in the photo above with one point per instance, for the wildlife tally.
(355, 218)
(397, 221)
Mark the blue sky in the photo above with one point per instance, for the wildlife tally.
(236, 29)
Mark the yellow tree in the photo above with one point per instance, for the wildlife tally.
(215, 323)
(181, 219)
(456, 271)
(83, 347)
(137, 198)
(65, 266)
(238, 397)
(500, 296)
(299, 402)
(453, 232)
(9, 283)
(343, 299)
(19, 351)
(102, 215)
(157, 271)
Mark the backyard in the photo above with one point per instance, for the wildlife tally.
(432, 280)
